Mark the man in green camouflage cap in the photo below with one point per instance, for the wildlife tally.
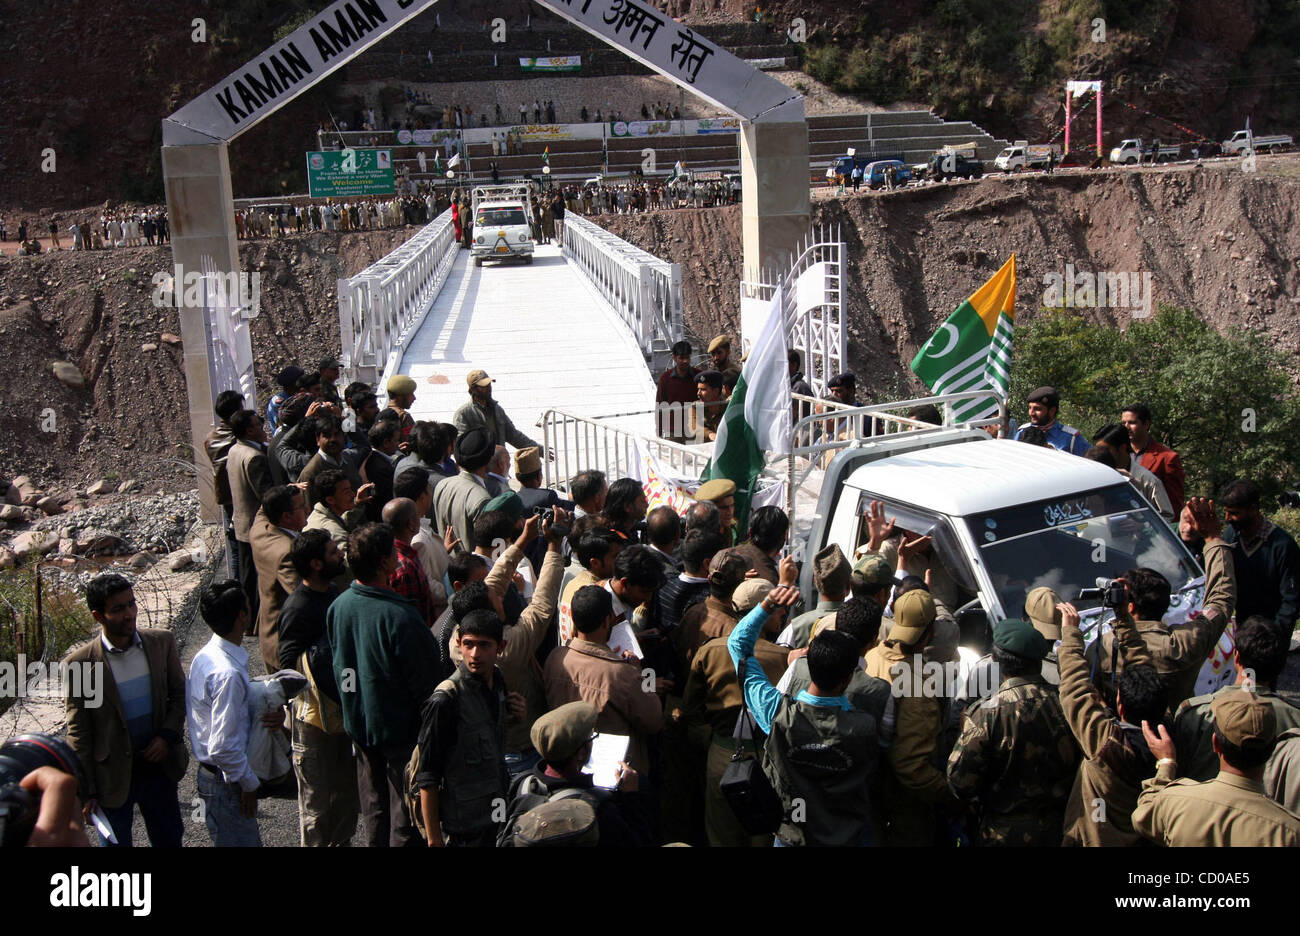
(1016, 756)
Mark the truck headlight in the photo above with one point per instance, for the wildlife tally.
(479, 239)
(523, 238)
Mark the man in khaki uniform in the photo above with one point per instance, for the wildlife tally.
(720, 354)
(1258, 659)
(713, 701)
(1179, 651)
(1115, 755)
(722, 494)
(915, 783)
(715, 616)
(1231, 809)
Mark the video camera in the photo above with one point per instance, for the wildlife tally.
(1112, 593)
(548, 518)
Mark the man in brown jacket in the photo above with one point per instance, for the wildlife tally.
(248, 475)
(126, 723)
(277, 523)
(715, 616)
(589, 671)
(1179, 651)
(1116, 759)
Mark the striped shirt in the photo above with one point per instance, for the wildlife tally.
(130, 668)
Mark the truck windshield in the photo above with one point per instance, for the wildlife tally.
(1068, 543)
(499, 217)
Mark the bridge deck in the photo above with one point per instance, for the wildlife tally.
(545, 336)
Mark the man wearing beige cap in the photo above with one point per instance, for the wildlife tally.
(722, 494)
(720, 354)
(915, 782)
(483, 412)
(1231, 809)
(712, 702)
(401, 397)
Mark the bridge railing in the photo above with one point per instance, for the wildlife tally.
(643, 290)
(382, 306)
(577, 443)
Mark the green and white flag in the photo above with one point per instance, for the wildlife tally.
(972, 349)
(757, 418)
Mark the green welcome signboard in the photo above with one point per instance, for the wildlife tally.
(350, 172)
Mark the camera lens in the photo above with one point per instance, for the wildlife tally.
(19, 757)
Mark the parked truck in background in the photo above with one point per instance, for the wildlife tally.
(1024, 155)
(1269, 144)
(1133, 151)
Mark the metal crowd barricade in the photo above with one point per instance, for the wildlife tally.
(382, 306)
(578, 443)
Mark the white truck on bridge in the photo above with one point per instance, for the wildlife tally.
(1241, 140)
(503, 227)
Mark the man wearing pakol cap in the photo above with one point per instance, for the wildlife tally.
(915, 786)
(831, 575)
(458, 500)
(1044, 404)
(821, 752)
(1016, 758)
(401, 397)
(483, 412)
(716, 615)
(564, 738)
(722, 494)
(712, 702)
(706, 416)
(1115, 757)
(1231, 809)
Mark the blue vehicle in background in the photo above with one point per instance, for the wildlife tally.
(874, 174)
(844, 165)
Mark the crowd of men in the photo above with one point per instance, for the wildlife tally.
(361, 214)
(471, 640)
(123, 228)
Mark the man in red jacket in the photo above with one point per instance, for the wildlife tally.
(1160, 460)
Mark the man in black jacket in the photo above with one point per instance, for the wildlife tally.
(1265, 557)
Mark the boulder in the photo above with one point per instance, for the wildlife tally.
(101, 544)
(141, 561)
(66, 547)
(180, 560)
(69, 375)
(32, 498)
(169, 338)
(33, 542)
(126, 485)
(12, 513)
(99, 487)
(148, 346)
(13, 497)
(50, 505)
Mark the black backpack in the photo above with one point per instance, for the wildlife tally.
(528, 792)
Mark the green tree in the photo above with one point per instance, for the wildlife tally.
(1224, 401)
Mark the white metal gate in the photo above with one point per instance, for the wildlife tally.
(813, 305)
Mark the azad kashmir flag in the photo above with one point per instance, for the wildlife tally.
(972, 349)
(757, 418)
(546, 156)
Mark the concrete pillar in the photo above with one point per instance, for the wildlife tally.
(201, 213)
(775, 197)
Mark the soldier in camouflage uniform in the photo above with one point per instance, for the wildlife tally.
(1016, 755)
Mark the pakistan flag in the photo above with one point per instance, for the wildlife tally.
(972, 349)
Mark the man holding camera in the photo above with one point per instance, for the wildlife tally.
(1178, 651)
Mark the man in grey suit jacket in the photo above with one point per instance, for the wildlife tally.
(248, 471)
(126, 721)
(458, 500)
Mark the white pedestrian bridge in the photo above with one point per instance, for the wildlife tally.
(571, 339)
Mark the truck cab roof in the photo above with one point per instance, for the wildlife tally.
(978, 475)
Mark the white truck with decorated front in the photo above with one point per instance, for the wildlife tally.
(1003, 518)
(503, 227)
(1024, 155)
(1132, 151)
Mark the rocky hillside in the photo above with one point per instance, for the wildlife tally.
(1217, 239)
(94, 311)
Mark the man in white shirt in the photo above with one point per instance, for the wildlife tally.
(219, 720)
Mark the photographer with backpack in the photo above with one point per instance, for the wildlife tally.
(556, 804)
